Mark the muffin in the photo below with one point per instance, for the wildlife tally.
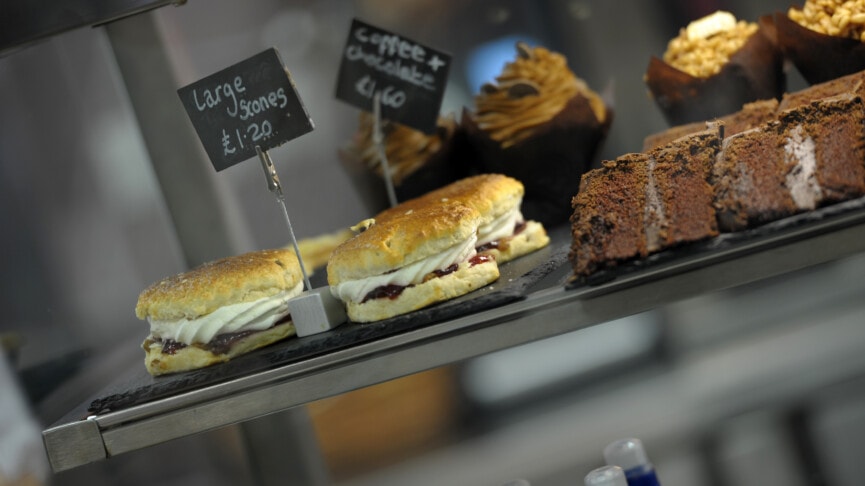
(540, 124)
(714, 66)
(418, 162)
(824, 39)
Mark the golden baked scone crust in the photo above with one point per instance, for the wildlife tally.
(490, 194)
(466, 278)
(194, 357)
(200, 291)
(532, 238)
(401, 240)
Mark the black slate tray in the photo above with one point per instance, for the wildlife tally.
(729, 245)
(516, 278)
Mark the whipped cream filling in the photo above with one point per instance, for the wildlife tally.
(414, 273)
(802, 178)
(247, 316)
(501, 227)
(653, 215)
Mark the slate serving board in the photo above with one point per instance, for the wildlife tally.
(730, 245)
(517, 277)
(543, 269)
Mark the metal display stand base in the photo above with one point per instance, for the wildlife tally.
(276, 444)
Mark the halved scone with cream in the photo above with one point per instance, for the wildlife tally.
(409, 261)
(503, 232)
(219, 310)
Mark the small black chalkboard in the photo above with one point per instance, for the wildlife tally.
(410, 77)
(252, 103)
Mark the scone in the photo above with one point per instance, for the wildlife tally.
(417, 162)
(410, 261)
(315, 250)
(219, 310)
(503, 232)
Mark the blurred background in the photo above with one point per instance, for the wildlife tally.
(761, 384)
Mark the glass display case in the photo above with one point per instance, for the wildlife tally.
(736, 361)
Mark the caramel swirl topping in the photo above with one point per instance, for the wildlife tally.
(528, 92)
(406, 149)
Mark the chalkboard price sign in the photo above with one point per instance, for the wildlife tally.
(252, 103)
(410, 77)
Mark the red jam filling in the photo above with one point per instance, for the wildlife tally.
(385, 291)
(480, 258)
(492, 245)
(451, 269)
(393, 291)
(220, 343)
(496, 244)
(170, 346)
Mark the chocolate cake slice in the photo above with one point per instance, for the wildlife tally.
(852, 83)
(680, 176)
(757, 113)
(607, 224)
(812, 155)
(751, 115)
(640, 204)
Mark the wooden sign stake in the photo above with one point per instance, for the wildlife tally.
(378, 140)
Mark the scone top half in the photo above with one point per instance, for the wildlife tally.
(239, 279)
(433, 233)
(496, 197)
(503, 231)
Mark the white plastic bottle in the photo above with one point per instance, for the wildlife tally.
(606, 476)
(630, 455)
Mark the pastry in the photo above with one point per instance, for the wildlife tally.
(503, 231)
(643, 203)
(824, 39)
(851, 83)
(713, 67)
(417, 162)
(410, 261)
(540, 124)
(759, 112)
(219, 310)
(751, 115)
(812, 155)
(315, 251)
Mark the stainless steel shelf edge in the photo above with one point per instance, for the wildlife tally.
(74, 444)
(542, 314)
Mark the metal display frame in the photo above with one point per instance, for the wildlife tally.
(551, 309)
